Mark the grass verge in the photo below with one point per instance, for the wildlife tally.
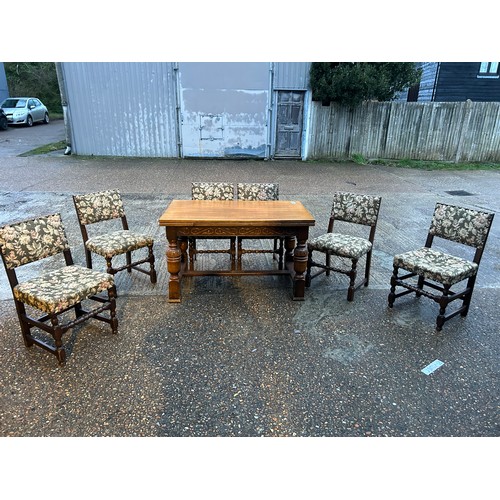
(48, 148)
(415, 164)
(436, 165)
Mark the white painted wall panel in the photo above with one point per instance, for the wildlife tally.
(224, 109)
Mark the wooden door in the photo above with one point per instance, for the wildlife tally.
(289, 123)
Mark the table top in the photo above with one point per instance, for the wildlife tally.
(236, 213)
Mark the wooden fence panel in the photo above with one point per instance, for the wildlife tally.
(447, 131)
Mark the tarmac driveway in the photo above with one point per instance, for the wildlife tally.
(18, 139)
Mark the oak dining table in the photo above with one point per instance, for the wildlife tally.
(286, 219)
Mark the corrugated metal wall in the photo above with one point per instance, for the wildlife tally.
(4, 90)
(452, 131)
(291, 75)
(122, 109)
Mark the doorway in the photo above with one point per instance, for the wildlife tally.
(290, 110)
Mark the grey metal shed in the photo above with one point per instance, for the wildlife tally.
(187, 109)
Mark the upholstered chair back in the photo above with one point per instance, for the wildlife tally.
(212, 191)
(461, 225)
(96, 207)
(356, 208)
(256, 191)
(32, 240)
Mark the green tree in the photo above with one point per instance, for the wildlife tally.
(36, 79)
(351, 83)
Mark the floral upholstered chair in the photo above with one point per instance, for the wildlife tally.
(56, 291)
(106, 205)
(222, 191)
(354, 209)
(431, 268)
(255, 191)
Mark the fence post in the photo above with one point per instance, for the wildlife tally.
(465, 126)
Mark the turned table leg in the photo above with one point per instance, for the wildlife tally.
(300, 266)
(174, 267)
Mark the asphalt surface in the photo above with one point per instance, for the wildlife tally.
(20, 139)
(238, 357)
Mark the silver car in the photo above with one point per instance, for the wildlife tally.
(24, 110)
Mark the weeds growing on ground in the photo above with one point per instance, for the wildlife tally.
(416, 164)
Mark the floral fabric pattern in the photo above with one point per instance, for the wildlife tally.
(436, 265)
(95, 207)
(343, 245)
(32, 240)
(462, 225)
(258, 191)
(357, 208)
(117, 242)
(55, 291)
(212, 191)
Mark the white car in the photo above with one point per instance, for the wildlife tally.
(24, 110)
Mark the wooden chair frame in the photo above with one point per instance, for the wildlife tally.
(193, 249)
(56, 328)
(445, 294)
(130, 264)
(278, 243)
(328, 267)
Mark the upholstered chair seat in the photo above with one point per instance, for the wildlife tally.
(343, 245)
(58, 290)
(117, 242)
(436, 265)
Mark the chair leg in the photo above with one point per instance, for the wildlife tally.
(109, 267)
(309, 266)
(392, 295)
(128, 257)
(420, 285)
(79, 310)
(112, 309)
(466, 301)
(239, 254)
(443, 302)
(352, 280)
(57, 333)
(328, 263)
(88, 258)
(280, 253)
(191, 253)
(368, 265)
(151, 256)
(25, 328)
(232, 252)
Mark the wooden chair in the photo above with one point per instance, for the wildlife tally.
(255, 191)
(351, 208)
(102, 206)
(52, 292)
(437, 270)
(211, 191)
